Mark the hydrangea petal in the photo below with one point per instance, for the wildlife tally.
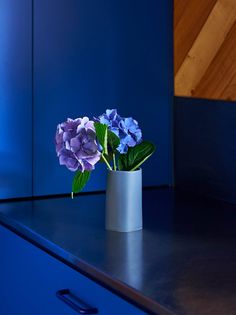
(76, 144)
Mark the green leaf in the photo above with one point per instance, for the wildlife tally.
(79, 181)
(108, 157)
(123, 162)
(139, 154)
(113, 140)
(136, 156)
(101, 133)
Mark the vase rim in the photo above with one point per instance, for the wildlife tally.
(117, 171)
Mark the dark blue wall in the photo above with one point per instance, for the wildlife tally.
(205, 147)
(93, 55)
(87, 56)
(15, 99)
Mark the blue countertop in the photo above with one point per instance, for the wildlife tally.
(182, 262)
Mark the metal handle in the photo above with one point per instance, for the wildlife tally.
(76, 303)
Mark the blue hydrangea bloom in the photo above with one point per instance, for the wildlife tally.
(111, 119)
(126, 129)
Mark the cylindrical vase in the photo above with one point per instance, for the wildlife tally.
(124, 201)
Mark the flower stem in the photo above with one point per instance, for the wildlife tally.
(114, 161)
(105, 160)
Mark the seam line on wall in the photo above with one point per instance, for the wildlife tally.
(32, 95)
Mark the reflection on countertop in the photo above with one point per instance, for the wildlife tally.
(184, 259)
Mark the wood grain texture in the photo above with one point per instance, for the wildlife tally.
(189, 18)
(219, 81)
(205, 53)
(179, 9)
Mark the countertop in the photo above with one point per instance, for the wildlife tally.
(182, 262)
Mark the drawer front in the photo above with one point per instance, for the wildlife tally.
(30, 279)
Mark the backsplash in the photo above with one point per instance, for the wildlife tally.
(205, 149)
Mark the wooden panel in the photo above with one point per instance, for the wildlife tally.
(219, 80)
(179, 9)
(205, 62)
(189, 17)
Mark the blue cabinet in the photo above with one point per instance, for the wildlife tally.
(30, 279)
(79, 58)
(15, 98)
(93, 55)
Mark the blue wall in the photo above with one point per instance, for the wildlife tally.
(88, 56)
(205, 147)
(15, 99)
(93, 55)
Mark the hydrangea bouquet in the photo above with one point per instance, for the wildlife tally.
(117, 141)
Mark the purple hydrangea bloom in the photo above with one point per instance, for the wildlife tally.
(76, 144)
(126, 129)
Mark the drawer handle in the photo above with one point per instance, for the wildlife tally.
(76, 303)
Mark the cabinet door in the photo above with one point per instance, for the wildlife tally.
(91, 55)
(15, 98)
(30, 278)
